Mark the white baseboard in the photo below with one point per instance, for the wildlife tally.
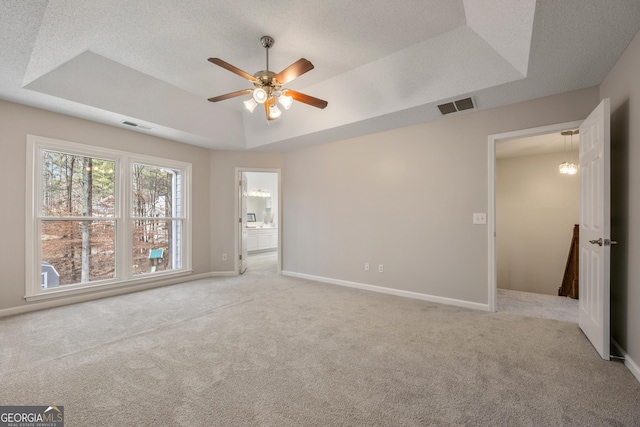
(628, 361)
(217, 274)
(391, 291)
(106, 293)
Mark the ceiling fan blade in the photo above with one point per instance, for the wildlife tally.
(294, 70)
(310, 100)
(233, 69)
(230, 95)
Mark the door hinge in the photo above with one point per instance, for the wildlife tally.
(240, 257)
(240, 183)
(240, 220)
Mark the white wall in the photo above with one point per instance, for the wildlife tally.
(536, 209)
(405, 198)
(622, 85)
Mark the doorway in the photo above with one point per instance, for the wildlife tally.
(595, 222)
(532, 211)
(259, 230)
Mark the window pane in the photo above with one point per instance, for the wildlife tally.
(156, 245)
(77, 252)
(77, 186)
(154, 191)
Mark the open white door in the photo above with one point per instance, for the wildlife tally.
(595, 228)
(243, 222)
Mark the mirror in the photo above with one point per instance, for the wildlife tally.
(257, 205)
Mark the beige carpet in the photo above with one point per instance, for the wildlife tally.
(261, 350)
(538, 305)
(262, 262)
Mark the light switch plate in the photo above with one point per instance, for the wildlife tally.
(479, 218)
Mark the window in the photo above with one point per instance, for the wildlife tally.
(157, 223)
(102, 218)
(77, 224)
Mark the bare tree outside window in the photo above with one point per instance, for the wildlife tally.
(75, 187)
(156, 220)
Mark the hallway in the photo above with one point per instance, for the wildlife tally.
(538, 305)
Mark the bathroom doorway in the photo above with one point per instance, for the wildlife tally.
(259, 225)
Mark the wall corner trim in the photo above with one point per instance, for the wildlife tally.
(391, 291)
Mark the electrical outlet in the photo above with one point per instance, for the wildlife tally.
(380, 268)
(224, 257)
(366, 266)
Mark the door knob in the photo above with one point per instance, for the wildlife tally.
(596, 242)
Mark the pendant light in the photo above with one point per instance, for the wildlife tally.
(568, 168)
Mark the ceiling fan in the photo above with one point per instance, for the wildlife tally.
(268, 85)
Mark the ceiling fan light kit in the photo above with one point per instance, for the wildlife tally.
(268, 85)
(259, 95)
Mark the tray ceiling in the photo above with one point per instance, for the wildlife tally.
(381, 66)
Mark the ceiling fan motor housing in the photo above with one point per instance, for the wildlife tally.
(266, 80)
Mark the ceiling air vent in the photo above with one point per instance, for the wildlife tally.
(455, 106)
(447, 108)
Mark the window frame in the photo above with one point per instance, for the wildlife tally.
(123, 217)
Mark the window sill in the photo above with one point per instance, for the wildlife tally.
(159, 278)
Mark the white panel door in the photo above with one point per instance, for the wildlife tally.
(595, 228)
(243, 232)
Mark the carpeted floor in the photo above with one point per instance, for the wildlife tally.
(538, 305)
(262, 262)
(268, 350)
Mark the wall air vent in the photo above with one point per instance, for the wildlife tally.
(455, 106)
(136, 125)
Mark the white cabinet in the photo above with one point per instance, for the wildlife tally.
(273, 239)
(252, 241)
(261, 239)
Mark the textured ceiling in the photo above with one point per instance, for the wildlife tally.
(380, 64)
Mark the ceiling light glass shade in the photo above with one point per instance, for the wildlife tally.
(568, 168)
(260, 95)
(250, 104)
(285, 101)
(274, 111)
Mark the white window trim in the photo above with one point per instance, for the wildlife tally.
(124, 276)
